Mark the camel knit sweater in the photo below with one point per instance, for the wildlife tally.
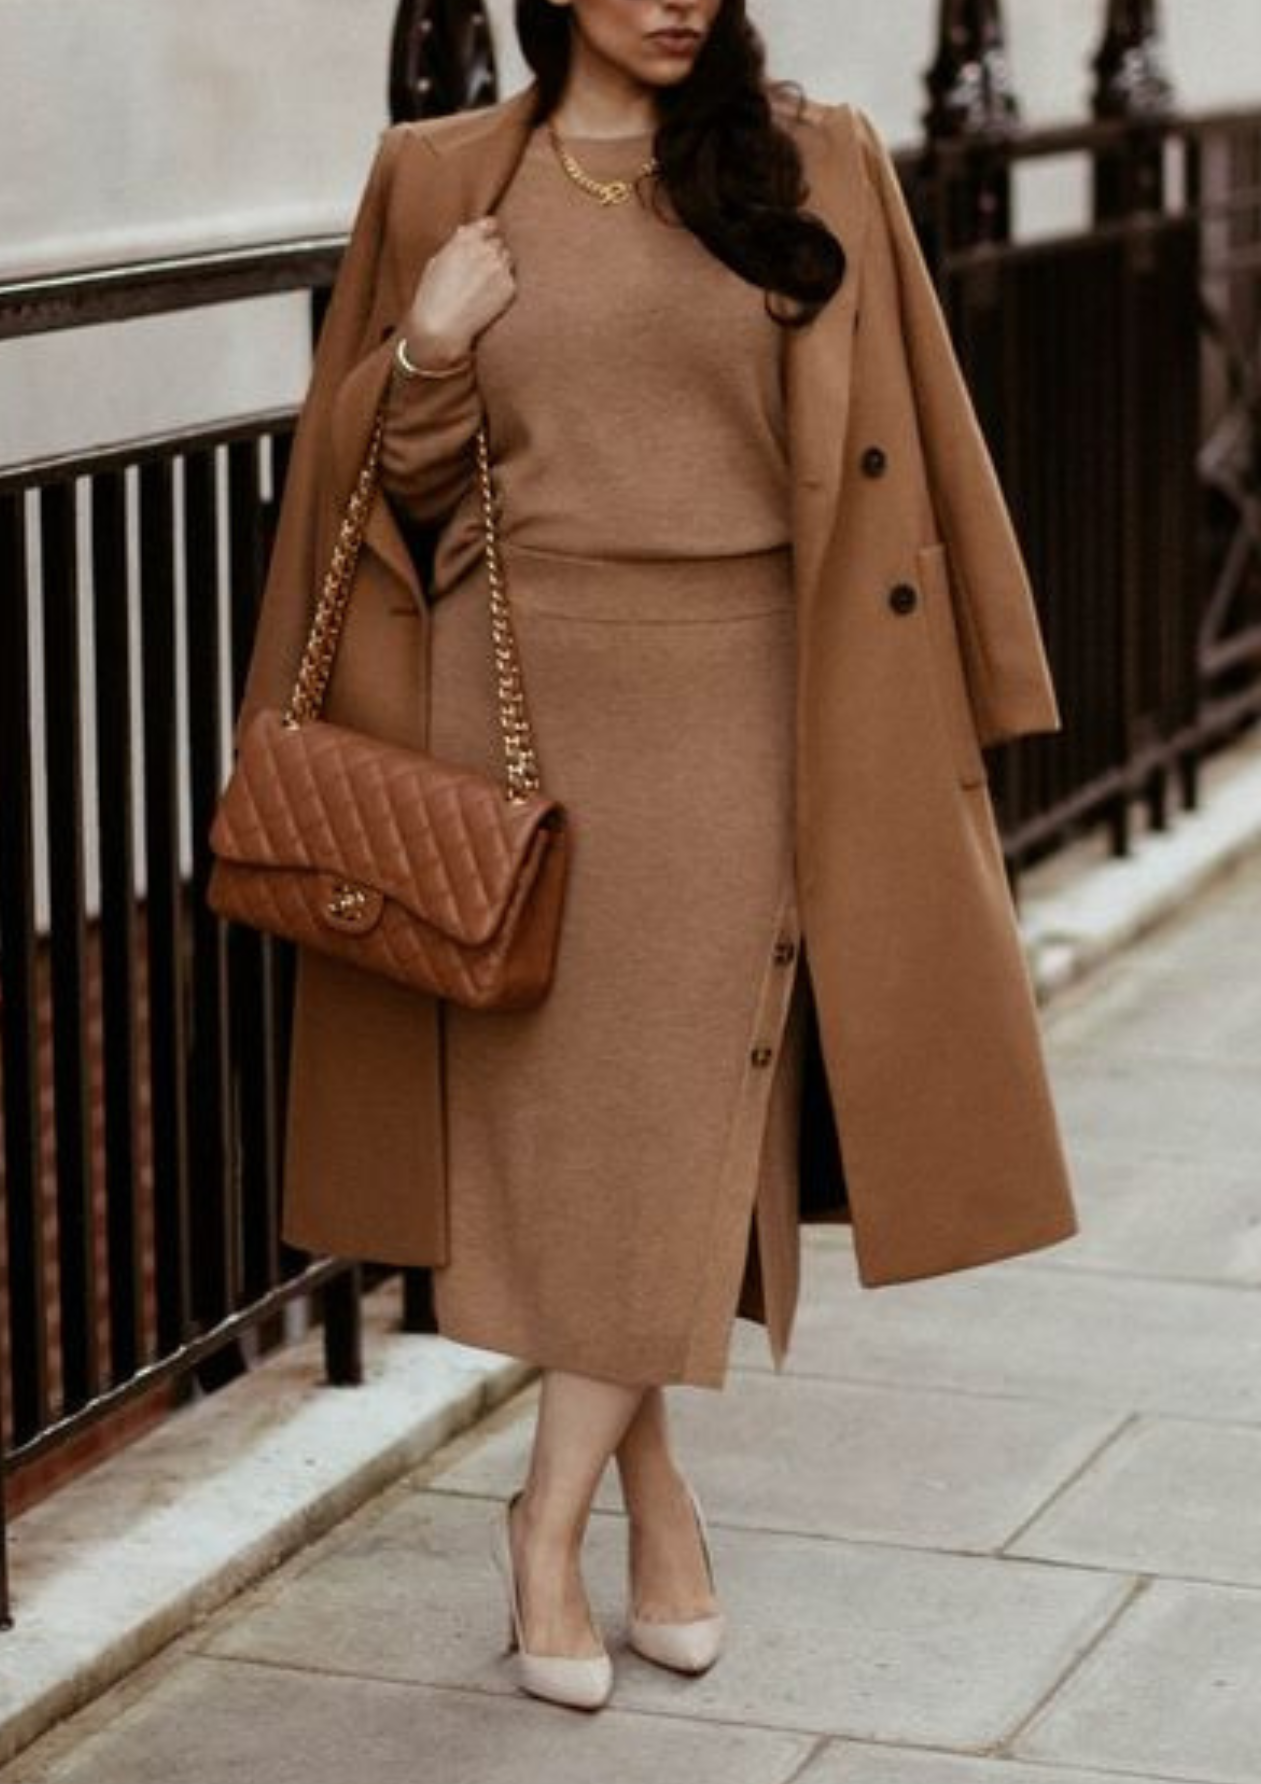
(633, 387)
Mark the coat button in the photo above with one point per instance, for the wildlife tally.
(785, 948)
(873, 461)
(902, 597)
(761, 1056)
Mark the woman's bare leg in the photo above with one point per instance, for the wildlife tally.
(580, 1424)
(670, 1580)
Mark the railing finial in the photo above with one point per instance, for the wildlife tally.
(1131, 79)
(442, 59)
(970, 87)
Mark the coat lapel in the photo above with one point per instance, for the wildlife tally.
(477, 164)
(818, 366)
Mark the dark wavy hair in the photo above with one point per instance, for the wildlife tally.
(733, 175)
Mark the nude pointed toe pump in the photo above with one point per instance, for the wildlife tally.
(688, 1647)
(583, 1681)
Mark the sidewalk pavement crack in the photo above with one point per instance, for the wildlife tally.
(1069, 1481)
(1005, 1748)
(813, 1752)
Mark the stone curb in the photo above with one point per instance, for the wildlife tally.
(132, 1554)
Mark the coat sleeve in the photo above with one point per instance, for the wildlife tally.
(346, 352)
(1004, 658)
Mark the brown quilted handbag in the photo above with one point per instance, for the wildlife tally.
(433, 874)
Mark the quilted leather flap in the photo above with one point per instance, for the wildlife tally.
(442, 840)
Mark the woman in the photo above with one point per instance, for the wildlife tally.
(760, 686)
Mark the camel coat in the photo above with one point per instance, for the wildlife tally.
(926, 1117)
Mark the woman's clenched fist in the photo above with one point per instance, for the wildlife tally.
(465, 285)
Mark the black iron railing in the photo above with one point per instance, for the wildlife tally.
(1117, 371)
(144, 1042)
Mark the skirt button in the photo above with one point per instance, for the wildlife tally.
(785, 948)
(761, 1056)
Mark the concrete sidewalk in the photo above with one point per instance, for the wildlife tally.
(1001, 1527)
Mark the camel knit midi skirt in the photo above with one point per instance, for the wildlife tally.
(622, 1158)
(606, 1149)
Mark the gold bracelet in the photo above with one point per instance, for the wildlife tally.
(409, 370)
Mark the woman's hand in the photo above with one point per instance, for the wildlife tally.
(464, 286)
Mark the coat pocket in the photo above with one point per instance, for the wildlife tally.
(949, 680)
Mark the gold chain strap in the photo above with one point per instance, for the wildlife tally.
(307, 699)
(514, 720)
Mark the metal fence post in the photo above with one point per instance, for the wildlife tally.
(442, 59)
(1158, 594)
(1132, 84)
(971, 99)
(969, 83)
(1130, 75)
(6, 1619)
(343, 1328)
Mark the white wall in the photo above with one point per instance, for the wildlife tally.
(143, 126)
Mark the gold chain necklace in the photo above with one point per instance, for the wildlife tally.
(606, 191)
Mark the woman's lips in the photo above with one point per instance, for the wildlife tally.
(678, 43)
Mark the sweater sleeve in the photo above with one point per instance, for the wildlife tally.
(427, 456)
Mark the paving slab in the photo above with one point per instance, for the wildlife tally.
(840, 1762)
(1187, 1005)
(827, 1637)
(1171, 1692)
(1168, 1497)
(829, 1458)
(1194, 1108)
(1077, 1336)
(215, 1720)
(1149, 1214)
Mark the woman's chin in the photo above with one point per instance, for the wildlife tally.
(657, 76)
